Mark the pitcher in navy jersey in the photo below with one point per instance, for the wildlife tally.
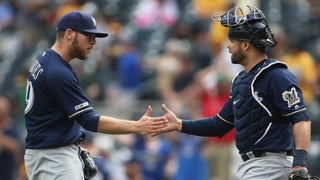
(265, 107)
(57, 111)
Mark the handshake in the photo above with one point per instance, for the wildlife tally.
(156, 125)
(170, 122)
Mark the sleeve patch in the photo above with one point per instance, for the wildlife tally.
(291, 97)
(82, 105)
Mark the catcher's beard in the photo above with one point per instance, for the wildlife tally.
(238, 56)
(76, 50)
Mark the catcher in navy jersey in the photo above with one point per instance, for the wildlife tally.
(266, 106)
(57, 110)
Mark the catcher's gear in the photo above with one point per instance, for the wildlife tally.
(90, 169)
(251, 27)
(302, 175)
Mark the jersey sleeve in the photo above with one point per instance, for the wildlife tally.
(64, 87)
(216, 126)
(287, 96)
(226, 113)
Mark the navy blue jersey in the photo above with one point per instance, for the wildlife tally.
(54, 99)
(278, 92)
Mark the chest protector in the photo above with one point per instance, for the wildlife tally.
(252, 118)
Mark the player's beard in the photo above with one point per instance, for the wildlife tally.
(238, 57)
(77, 50)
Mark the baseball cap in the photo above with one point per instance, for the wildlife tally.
(79, 21)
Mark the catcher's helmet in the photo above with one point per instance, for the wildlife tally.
(252, 27)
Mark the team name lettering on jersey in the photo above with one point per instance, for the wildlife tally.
(35, 69)
(77, 107)
(291, 97)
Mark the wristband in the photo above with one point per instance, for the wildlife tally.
(300, 158)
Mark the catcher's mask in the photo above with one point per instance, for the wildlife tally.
(251, 27)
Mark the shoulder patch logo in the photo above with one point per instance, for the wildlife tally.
(291, 97)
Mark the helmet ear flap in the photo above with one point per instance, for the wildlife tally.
(261, 36)
(259, 29)
(258, 32)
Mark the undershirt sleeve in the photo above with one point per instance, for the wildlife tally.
(89, 120)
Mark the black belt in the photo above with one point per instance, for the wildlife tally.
(253, 154)
(78, 142)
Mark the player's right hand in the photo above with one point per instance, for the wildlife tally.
(151, 125)
(174, 123)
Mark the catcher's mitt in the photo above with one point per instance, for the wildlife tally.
(302, 175)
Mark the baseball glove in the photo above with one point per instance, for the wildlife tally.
(302, 175)
(90, 169)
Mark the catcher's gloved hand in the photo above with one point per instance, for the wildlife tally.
(302, 175)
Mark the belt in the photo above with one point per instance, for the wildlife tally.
(254, 154)
(78, 142)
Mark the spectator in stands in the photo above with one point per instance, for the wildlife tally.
(149, 12)
(189, 160)
(218, 151)
(153, 154)
(67, 6)
(205, 8)
(10, 142)
(6, 15)
(174, 71)
(128, 69)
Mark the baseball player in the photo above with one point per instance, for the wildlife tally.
(57, 110)
(266, 106)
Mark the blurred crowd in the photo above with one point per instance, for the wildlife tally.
(157, 51)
